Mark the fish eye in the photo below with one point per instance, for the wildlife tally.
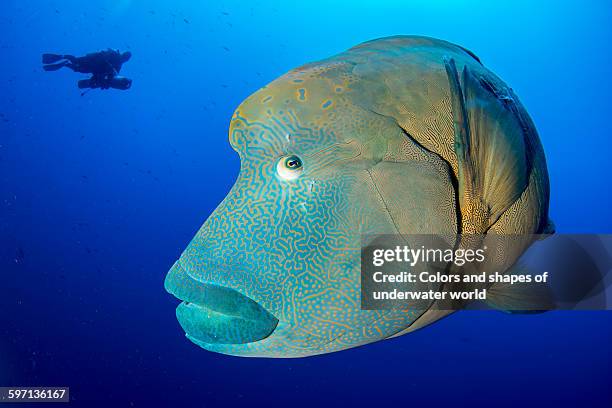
(289, 167)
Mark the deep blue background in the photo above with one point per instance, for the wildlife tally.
(99, 194)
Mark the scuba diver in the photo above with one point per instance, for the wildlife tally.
(103, 65)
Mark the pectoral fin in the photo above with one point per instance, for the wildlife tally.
(490, 148)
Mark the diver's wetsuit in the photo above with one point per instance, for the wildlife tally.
(104, 67)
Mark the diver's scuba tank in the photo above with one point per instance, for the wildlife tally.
(117, 82)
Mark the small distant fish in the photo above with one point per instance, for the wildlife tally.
(186, 21)
(225, 48)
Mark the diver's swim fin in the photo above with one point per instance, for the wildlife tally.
(490, 148)
(51, 58)
(54, 67)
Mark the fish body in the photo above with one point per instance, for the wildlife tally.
(400, 135)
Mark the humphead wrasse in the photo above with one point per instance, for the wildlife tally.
(400, 135)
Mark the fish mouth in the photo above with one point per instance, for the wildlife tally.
(216, 314)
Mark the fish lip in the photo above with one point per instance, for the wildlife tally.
(215, 314)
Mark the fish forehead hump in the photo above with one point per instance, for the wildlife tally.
(400, 77)
(306, 108)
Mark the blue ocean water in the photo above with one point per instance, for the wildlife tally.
(100, 193)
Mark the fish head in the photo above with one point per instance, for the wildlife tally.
(275, 270)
